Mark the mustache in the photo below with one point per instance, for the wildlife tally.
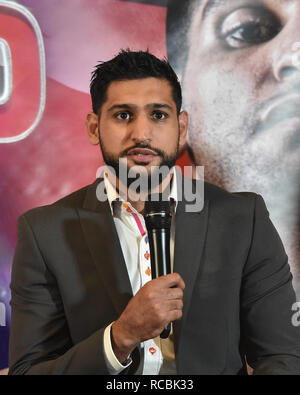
(143, 145)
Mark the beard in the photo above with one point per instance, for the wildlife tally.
(129, 176)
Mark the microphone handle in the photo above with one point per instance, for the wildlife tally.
(160, 260)
(165, 333)
(159, 241)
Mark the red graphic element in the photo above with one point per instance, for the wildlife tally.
(147, 255)
(128, 209)
(57, 158)
(148, 271)
(152, 350)
(19, 113)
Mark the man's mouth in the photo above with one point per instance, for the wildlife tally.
(141, 155)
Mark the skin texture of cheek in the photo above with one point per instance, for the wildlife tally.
(221, 117)
(224, 110)
(238, 159)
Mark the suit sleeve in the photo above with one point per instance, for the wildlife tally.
(270, 340)
(40, 342)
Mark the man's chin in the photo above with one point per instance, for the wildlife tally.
(143, 174)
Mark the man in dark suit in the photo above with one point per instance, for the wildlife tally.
(83, 301)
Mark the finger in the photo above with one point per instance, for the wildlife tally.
(178, 281)
(173, 293)
(177, 315)
(166, 306)
(173, 315)
(175, 304)
(172, 280)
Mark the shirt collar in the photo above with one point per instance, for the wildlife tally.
(113, 195)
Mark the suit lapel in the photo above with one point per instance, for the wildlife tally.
(103, 242)
(189, 244)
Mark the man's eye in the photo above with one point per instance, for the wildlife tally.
(251, 26)
(124, 116)
(159, 115)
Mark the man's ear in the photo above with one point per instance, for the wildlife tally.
(183, 127)
(92, 127)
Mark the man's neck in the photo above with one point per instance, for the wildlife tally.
(139, 205)
(138, 200)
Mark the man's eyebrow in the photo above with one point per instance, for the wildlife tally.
(122, 106)
(159, 105)
(128, 106)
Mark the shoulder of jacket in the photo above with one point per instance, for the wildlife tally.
(70, 202)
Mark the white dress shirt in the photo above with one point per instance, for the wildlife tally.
(159, 355)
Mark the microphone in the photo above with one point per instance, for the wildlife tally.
(158, 220)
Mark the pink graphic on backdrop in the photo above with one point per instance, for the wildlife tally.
(18, 114)
(57, 158)
(80, 33)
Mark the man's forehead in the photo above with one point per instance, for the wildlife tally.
(138, 88)
(145, 81)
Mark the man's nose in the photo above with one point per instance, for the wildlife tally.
(141, 129)
(286, 54)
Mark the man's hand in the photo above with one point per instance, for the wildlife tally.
(155, 305)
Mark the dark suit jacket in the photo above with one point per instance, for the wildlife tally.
(69, 281)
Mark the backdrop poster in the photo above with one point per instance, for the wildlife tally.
(239, 67)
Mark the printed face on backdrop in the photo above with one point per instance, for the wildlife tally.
(239, 63)
(242, 88)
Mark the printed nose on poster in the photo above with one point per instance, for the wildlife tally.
(17, 124)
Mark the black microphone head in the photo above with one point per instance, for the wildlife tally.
(157, 212)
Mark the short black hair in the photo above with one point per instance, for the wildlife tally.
(130, 65)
